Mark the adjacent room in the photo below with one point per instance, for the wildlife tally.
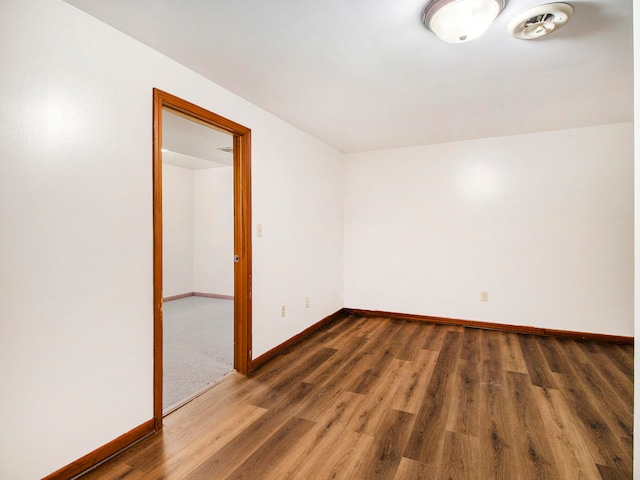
(197, 210)
(438, 269)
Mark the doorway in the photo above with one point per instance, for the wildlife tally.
(197, 258)
(240, 152)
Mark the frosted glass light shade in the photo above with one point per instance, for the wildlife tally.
(458, 21)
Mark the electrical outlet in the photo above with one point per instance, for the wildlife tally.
(484, 296)
(282, 311)
(307, 304)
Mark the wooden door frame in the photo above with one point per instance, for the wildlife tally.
(242, 234)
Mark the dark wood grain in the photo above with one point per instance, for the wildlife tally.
(427, 437)
(537, 366)
(465, 408)
(460, 458)
(619, 381)
(385, 399)
(390, 438)
(497, 435)
(535, 458)
(263, 463)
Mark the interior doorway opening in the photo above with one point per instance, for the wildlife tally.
(168, 112)
(198, 252)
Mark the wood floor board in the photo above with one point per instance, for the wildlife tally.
(323, 437)
(350, 354)
(345, 372)
(338, 463)
(273, 395)
(461, 453)
(379, 341)
(622, 355)
(537, 366)
(556, 362)
(464, 412)
(383, 459)
(497, 435)
(375, 367)
(471, 337)
(227, 422)
(179, 461)
(618, 414)
(333, 406)
(324, 400)
(410, 469)
(345, 330)
(375, 404)
(574, 458)
(414, 337)
(434, 339)
(387, 399)
(272, 457)
(399, 342)
(512, 358)
(240, 387)
(608, 473)
(619, 381)
(115, 471)
(535, 458)
(413, 381)
(427, 437)
(224, 461)
(371, 330)
(587, 408)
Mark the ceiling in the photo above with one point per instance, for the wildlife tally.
(366, 74)
(190, 144)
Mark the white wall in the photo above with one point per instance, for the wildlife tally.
(197, 230)
(302, 236)
(213, 231)
(544, 222)
(178, 225)
(76, 349)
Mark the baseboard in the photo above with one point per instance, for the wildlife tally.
(177, 297)
(265, 357)
(197, 294)
(213, 295)
(94, 458)
(599, 337)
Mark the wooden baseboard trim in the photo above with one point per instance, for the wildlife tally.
(197, 294)
(265, 357)
(213, 295)
(599, 337)
(94, 458)
(177, 297)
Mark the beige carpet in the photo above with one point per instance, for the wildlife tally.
(197, 346)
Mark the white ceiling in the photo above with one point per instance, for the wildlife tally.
(366, 74)
(192, 145)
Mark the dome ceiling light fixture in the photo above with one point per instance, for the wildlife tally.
(540, 21)
(459, 21)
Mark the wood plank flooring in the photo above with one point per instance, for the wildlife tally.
(375, 398)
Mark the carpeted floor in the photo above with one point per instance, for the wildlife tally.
(197, 346)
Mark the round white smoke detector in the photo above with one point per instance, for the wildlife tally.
(540, 21)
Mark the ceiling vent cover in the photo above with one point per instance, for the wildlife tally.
(540, 21)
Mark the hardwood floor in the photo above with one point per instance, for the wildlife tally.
(377, 398)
